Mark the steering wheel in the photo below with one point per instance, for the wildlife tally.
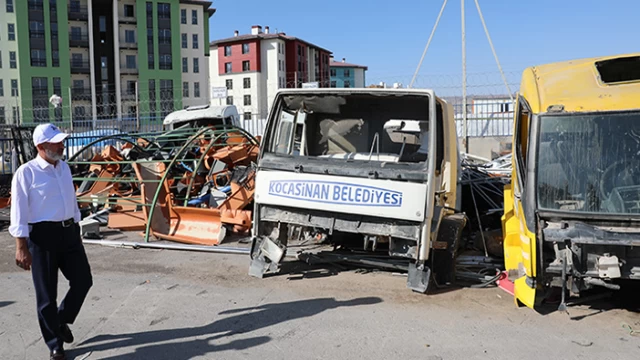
(628, 175)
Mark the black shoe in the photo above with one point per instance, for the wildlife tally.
(58, 355)
(65, 334)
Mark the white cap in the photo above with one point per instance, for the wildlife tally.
(47, 133)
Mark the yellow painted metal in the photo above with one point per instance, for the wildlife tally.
(577, 87)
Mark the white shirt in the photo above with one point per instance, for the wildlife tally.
(41, 192)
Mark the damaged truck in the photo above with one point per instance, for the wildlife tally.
(572, 210)
(367, 171)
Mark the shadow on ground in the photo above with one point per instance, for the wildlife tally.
(6, 303)
(186, 343)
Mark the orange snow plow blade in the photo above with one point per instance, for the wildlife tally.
(176, 223)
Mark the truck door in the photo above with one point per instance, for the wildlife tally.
(519, 224)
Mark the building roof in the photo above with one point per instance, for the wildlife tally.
(263, 36)
(346, 65)
(205, 3)
(578, 86)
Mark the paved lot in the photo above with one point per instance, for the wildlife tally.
(160, 304)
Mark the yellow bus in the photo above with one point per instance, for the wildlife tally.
(572, 209)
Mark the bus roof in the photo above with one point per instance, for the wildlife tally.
(609, 83)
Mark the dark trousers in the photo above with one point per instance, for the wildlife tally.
(54, 247)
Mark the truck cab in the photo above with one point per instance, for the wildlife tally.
(572, 209)
(373, 167)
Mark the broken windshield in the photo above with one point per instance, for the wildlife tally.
(590, 163)
(353, 127)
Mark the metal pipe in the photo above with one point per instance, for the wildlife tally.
(197, 167)
(163, 179)
(137, 245)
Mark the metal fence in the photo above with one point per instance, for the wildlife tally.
(489, 108)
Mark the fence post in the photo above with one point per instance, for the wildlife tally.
(137, 109)
(71, 110)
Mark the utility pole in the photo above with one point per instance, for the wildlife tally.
(464, 79)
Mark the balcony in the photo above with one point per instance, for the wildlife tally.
(80, 67)
(80, 13)
(79, 40)
(80, 94)
(124, 44)
(36, 34)
(40, 92)
(39, 62)
(164, 40)
(128, 95)
(124, 70)
(127, 19)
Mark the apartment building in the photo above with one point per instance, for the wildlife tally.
(107, 59)
(346, 75)
(254, 66)
(9, 74)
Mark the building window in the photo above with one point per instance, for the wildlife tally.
(3, 120)
(194, 17)
(0, 59)
(246, 83)
(347, 73)
(165, 62)
(196, 65)
(185, 65)
(333, 84)
(1, 88)
(14, 87)
(247, 115)
(229, 84)
(36, 29)
(128, 11)
(151, 61)
(12, 32)
(183, 16)
(9, 6)
(246, 65)
(131, 62)
(13, 63)
(38, 58)
(149, 9)
(57, 86)
(347, 84)
(185, 43)
(227, 51)
(130, 36)
(185, 89)
(196, 89)
(334, 73)
(164, 11)
(227, 68)
(247, 100)
(195, 41)
(16, 115)
(229, 100)
(245, 48)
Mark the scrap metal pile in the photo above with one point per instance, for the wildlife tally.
(483, 203)
(186, 185)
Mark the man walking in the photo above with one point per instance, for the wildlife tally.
(44, 221)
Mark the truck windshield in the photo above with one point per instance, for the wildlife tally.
(589, 163)
(356, 127)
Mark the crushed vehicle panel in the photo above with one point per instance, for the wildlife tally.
(367, 169)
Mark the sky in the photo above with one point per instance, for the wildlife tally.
(389, 36)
